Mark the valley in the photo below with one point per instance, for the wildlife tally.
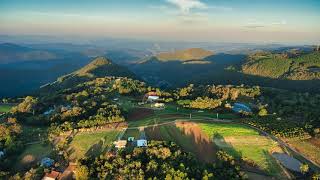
(104, 112)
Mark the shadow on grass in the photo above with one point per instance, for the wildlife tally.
(188, 137)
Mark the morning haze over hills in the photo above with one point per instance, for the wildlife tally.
(168, 89)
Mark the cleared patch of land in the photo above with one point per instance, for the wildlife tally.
(5, 107)
(88, 143)
(131, 133)
(31, 155)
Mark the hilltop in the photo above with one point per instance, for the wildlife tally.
(98, 67)
(185, 54)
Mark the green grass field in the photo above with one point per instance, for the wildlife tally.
(86, 143)
(227, 129)
(31, 155)
(243, 142)
(131, 133)
(5, 108)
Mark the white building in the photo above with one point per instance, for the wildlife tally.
(142, 143)
(120, 144)
(153, 98)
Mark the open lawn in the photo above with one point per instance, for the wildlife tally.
(131, 133)
(246, 143)
(5, 107)
(227, 129)
(87, 143)
(31, 155)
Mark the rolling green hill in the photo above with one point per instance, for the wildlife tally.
(290, 66)
(98, 67)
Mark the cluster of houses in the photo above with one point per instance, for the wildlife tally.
(141, 142)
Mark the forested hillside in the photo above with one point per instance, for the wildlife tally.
(287, 65)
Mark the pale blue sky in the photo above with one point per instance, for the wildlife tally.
(284, 21)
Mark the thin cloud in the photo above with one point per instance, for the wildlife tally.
(260, 24)
(185, 6)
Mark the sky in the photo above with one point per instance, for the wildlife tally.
(258, 21)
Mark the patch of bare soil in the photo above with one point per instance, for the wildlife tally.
(139, 113)
(28, 159)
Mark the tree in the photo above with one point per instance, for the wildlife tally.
(263, 112)
(82, 173)
(304, 168)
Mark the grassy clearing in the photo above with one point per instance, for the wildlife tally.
(246, 143)
(5, 108)
(86, 144)
(227, 129)
(131, 133)
(31, 155)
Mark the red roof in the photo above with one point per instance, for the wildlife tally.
(52, 174)
(152, 93)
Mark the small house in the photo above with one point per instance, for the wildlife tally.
(142, 143)
(152, 98)
(53, 175)
(120, 144)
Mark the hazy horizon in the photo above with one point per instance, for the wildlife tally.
(284, 22)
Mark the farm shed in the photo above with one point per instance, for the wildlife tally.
(142, 143)
(120, 144)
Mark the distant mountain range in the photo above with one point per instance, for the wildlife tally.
(24, 69)
(10, 53)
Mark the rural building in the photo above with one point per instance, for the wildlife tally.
(47, 162)
(120, 144)
(53, 175)
(151, 97)
(159, 105)
(240, 107)
(142, 143)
